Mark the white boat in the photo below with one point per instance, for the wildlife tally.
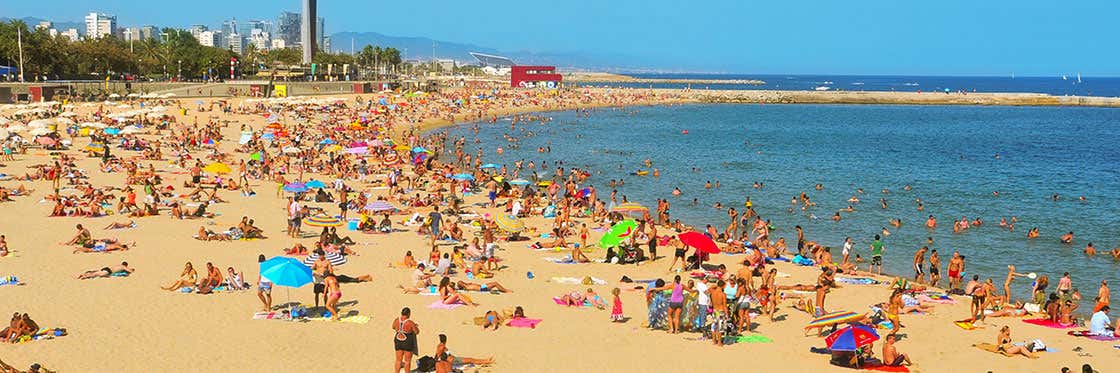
(822, 88)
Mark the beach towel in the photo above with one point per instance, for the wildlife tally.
(120, 274)
(944, 299)
(576, 281)
(10, 280)
(994, 349)
(523, 322)
(753, 338)
(885, 368)
(1047, 323)
(43, 333)
(857, 280)
(355, 319)
(965, 325)
(1085, 333)
(438, 305)
(271, 316)
(560, 260)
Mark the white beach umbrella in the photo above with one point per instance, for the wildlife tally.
(39, 131)
(68, 114)
(114, 96)
(291, 150)
(133, 95)
(130, 130)
(64, 121)
(4, 134)
(39, 123)
(17, 128)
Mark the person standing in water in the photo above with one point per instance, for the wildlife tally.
(919, 262)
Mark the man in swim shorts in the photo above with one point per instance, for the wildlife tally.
(876, 255)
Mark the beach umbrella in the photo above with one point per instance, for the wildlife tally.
(291, 150)
(851, 338)
(17, 128)
(489, 165)
(509, 223)
(315, 184)
(462, 177)
(519, 182)
(419, 149)
(284, 271)
(401, 147)
(295, 187)
(255, 156)
(619, 232)
(114, 96)
(392, 159)
(379, 205)
(376, 143)
(327, 142)
(320, 221)
(357, 150)
(334, 257)
(217, 168)
(4, 134)
(833, 318)
(631, 209)
(699, 241)
(358, 144)
(41, 132)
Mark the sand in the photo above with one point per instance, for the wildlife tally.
(129, 324)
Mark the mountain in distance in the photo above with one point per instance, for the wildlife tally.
(60, 26)
(421, 48)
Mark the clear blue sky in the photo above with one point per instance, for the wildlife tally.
(942, 37)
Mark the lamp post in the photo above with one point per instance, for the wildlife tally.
(180, 70)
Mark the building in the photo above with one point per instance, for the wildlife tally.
(197, 30)
(326, 46)
(210, 38)
(307, 31)
(445, 65)
(44, 25)
(71, 34)
(235, 43)
(149, 32)
(100, 25)
(534, 77)
(321, 33)
(130, 34)
(260, 39)
(287, 28)
(278, 44)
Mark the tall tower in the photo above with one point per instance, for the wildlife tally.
(307, 36)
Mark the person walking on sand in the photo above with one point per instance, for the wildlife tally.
(1007, 283)
(404, 341)
(333, 293)
(876, 255)
(264, 288)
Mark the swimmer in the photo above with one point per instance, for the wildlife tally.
(676, 191)
(1067, 238)
(1090, 250)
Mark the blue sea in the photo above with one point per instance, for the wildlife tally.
(1055, 85)
(953, 157)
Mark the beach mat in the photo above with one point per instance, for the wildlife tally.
(271, 316)
(1047, 323)
(994, 349)
(438, 305)
(753, 338)
(355, 319)
(886, 368)
(561, 302)
(522, 322)
(965, 325)
(1085, 334)
(857, 280)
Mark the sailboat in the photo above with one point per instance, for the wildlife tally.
(1064, 77)
(1078, 78)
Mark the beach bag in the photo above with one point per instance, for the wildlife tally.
(426, 364)
(298, 312)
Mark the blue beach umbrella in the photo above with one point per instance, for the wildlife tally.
(851, 337)
(462, 177)
(285, 271)
(315, 184)
(419, 149)
(112, 131)
(519, 182)
(490, 165)
(327, 142)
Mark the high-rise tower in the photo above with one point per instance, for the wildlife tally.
(307, 36)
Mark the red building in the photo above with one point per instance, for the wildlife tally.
(534, 77)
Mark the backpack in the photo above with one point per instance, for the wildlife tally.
(426, 364)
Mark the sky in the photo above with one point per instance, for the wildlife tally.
(866, 37)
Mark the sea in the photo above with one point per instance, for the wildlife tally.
(1059, 85)
(954, 158)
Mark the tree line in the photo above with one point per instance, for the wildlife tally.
(175, 54)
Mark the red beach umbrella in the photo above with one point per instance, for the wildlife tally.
(699, 241)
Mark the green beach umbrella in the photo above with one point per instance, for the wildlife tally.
(618, 233)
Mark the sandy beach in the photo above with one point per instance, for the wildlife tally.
(129, 324)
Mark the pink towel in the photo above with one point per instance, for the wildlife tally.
(524, 323)
(438, 305)
(1047, 323)
(562, 303)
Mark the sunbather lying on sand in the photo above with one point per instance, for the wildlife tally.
(129, 224)
(104, 246)
(106, 271)
(489, 286)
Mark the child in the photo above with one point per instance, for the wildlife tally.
(616, 310)
(583, 233)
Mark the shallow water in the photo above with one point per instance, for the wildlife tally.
(946, 153)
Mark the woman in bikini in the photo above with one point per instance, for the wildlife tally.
(186, 279)
(444, 358)
(448, 294)
(334, 294)
(404, 340)
(1004, 345)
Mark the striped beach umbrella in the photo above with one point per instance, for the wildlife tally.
(334, 257)
(322, 221)
(509, 223)
(833, 318)
(379, 205)
(391, 159)
(630, 209)
(851, 338)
